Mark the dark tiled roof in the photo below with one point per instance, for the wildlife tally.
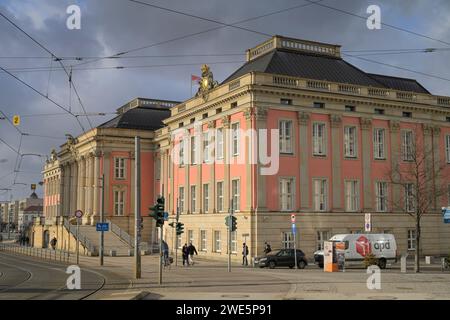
(321, 67)
(140, 118)
(33, 208)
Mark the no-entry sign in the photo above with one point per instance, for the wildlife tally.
(293, 218)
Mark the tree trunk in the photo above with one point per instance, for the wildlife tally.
(417, 258)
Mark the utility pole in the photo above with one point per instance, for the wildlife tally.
(176, 235)
(102, 220)
(137, 207)
(229, 234)
(78, 241)
(161, 249)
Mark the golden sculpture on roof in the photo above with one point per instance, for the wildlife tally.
(206, 83)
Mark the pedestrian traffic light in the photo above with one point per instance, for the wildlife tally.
(227, 219)
(233, 223)
(157, 212)
(180, 228)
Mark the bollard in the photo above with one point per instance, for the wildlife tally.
(442, 264)
(427, 260)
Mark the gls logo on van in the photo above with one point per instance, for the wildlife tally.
(384, 245)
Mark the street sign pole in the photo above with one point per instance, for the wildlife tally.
(294, 231)
(160, 254)
(137, 207)
(102, 220)
(176, 236)
(229, 235)
(78, 241)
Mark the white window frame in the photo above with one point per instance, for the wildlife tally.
(206, 145)
(448, 195)
(379, 142)
(411, 239)
(409, 198)
(203, 240)
(447, 147)
(220, 196)
(351, 195)
(319, 135)
(407, 145)
(286, 197)
(181, 153)
(219, 143)
(286, 128)
(119, 168)
(350, 142)
(205, 197)
(235, 139)
(287, 240)
(381, 199)
(193, 195)
(179, 241)
(181, 197)
(119, 203)
(321, 195)
(321, 237)
(234, 242)
(193, 150)
(217, 241)
(236, 194)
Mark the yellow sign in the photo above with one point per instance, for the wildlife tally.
(33, 186)
(16, 120)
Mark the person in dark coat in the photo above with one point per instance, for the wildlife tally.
(244, 254)
(192, 250)
(185, 251)
(267, 248)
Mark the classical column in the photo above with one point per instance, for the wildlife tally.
(395, 154)
(73, 186)
(212, 173)
(131, 174)
(437, 164)
(187, 169)
(260, 115)
(336, 160)
(366, 132)
(304, 152)
(80, 184)
(62, 191)
(199, 186)
(96, 204)
(227, 159)
(249, 155)
(90, 185)
(106, 155)
(175, 193)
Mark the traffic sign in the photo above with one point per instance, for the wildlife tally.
(166, 216)
(293, 218)
(102, 226)
(78, 213)
(368, 222)
(446, 214)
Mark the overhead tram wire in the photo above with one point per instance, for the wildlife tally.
(196, 33)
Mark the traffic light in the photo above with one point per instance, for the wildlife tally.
(227, 223)
(173, 224)
(233, 223)
(180, 228)
(141, 223)
(158, 212)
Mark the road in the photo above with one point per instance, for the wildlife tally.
(26, 278)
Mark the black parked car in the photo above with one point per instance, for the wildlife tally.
(282, 258)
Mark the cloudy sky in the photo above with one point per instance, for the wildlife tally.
(109, 27)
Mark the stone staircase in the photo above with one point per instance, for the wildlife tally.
(112, 242)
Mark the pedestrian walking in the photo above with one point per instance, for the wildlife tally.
(165, 248)
(192, 250)
(185, 252)
(244, 254)
(53, 243)
(267, 248)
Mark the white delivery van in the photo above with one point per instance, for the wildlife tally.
(357, 246)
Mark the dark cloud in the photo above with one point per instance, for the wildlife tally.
(112, 26)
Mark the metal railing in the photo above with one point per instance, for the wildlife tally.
(123, 235)
(43, 253)
(84, 241)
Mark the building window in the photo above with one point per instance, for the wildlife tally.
(233, 105)
(193, 150)
(448, 194)
(220, 196)
(350, 142)
(181, 152)
(406, 114)
(204, 116)
(321, 237)
(319, 105)
(235, 189)
(193, 199)
(287, 240)
(447, 119)
(412, 239)
(447, 147)
(286, 191)
(379, 111)
(407, 145)
(320, 194)
(219, 137)
(381, 196)
(285, 127)
(351, 195)
(217, 241)
(119, 168)
(191, 236)
(378, 143)
(350, 108)
(235, 138)
(192, 120)
(203, 240)
(409, 197)
(218, 110)
(206, 149)
(205, 197)
(234, 242)
(319, 139)
(119, 202)
(286, 101)
(181, 198)
(180, 125)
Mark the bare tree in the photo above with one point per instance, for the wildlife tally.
(419, 177)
